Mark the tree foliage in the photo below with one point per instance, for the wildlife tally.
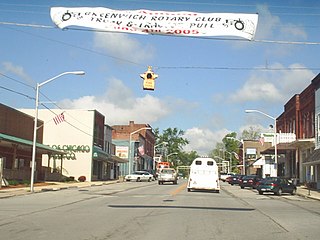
(175, 143)
(173, 137)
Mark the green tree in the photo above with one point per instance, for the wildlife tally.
(174, 138)
(175, 143)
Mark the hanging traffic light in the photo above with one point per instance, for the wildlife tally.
(148, 79)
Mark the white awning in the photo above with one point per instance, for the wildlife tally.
(259, 162)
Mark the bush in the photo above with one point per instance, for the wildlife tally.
(13, 182)
(82, 179)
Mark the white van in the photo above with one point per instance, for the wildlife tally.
(204, 175)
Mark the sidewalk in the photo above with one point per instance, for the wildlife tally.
(308, 193)
(52, 186)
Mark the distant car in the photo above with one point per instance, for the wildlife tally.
(249, 181)
(276, 185)
(224, 176)
(153, 172)
(235, 179)
(168, 175)
(139, 176)
(228, 179)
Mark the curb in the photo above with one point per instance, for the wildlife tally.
(26, 191)
(308, 196)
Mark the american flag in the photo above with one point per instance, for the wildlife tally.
(59, 119)
(141, 150)
(261, 140)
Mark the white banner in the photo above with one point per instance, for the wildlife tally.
(157, 22)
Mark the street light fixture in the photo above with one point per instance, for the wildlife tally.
(175, 153)
(130, 149)
(275, 136)
(35, 128)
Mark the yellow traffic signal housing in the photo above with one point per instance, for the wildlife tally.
(148, 79)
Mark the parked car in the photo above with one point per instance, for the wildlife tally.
(235, 179)
(139, 176)
(168, 175)
(228, 179)
(224, 176)
(258, 182)
(249, 181)
(151, 171)
(276, 185)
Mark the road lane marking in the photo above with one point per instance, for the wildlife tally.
(179, 189)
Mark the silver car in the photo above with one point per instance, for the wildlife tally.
(167, 175)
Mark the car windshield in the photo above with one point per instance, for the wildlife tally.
(167, 171)
(268, 181)
(249, 177)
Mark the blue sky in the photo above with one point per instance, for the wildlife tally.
(204, 85)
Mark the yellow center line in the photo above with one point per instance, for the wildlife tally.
(179, 189)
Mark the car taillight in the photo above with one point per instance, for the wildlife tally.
(250, 180)
(274, 185)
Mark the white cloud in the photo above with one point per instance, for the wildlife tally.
(203, 140)
(18, 71)
(119, 105)
(270, 26)
(273, 86)
(123, 46)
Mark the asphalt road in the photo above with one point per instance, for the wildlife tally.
(142, 210)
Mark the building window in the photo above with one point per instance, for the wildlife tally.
(3, 162)
(18, 163)
(312, 125)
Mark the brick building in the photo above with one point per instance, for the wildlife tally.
(299, 118)
(16, 141)
(136, 142)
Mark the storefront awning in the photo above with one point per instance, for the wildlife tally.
(119, 160)
(303, 143)
(259, 162)
(314, 158)
(104, 156)
(8, 140)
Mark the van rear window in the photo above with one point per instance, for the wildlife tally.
(210, 163)
(198, 162)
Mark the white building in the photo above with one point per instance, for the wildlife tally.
(86, 140)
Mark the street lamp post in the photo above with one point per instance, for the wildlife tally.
(130, 149)
(275, 137)
(35, 128)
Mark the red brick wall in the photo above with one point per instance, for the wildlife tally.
(18, 124)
